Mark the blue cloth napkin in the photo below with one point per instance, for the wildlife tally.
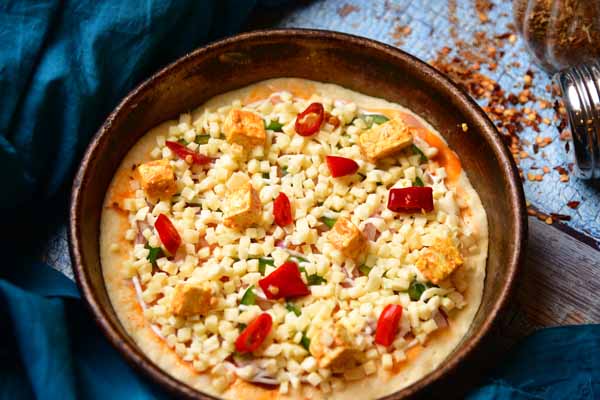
(64, 64)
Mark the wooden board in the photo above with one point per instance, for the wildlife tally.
(559, 285)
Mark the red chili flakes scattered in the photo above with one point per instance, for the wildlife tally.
(483, 7)
(560, 217)
(565, 135)
(347, 9)
(400, 33)
(540, 215)
(561, 170)
(511, 109)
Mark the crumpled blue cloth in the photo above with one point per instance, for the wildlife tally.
(64, 64)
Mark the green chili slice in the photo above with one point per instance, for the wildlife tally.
(291, 307)
(418, 151)
(202, 139)
(305, 341)
(249, 298)
(330, 222)
(274, 125)
(415, 290)
(263, 262)
(155, 252)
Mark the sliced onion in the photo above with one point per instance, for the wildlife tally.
(156, 330)
(440, 319)
(261, 300)
(241, 361)
(428, 178)
(347, 283)
(275, 98)
(371, 232)
(371, 326)
(229, 366)
(434, 291)
(139, 238)
(322, 228)
(264, 378)
(412, 344)
(138, 292)
(355, 273)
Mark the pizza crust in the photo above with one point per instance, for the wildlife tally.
(420, 360)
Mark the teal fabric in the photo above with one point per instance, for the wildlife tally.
(560, 363)
(64, 64)
(51, 348)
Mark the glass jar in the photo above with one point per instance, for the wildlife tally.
(564, 38)
(559, 33)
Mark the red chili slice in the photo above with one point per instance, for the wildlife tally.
(411, 199)
(183, 152)
(167, 233)
(309, 121)
(282, 210)
(341, 166)
(284, 282)
(387, 325)
(255, 334)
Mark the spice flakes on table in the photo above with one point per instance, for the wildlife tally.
(511, 109)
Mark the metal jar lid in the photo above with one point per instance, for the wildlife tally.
(580, 86)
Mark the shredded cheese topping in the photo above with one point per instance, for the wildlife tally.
(327, 337)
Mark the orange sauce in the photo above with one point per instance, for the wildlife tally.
(411, 354)
(121, 190)
(263, 90)
(446, 157)
(244, 390)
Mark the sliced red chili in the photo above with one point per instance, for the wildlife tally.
(183, 152)
(388, 324)
(309, 121)
(284, 282)
(254, 334)
(411, 199)
(341, 166)
(282, 210)
(167, 233)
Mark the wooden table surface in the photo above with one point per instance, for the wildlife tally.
(559, 283)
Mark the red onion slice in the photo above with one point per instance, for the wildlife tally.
(371, 232)
(440, 319)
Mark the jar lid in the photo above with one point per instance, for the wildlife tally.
(580, 87)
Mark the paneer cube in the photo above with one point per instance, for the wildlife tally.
(437, 262)
(157, 179)
(346, 237)
(244, 128)
(341, 358)
(332, 347)
(242, 207)
(385, 140)
(192, 299)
